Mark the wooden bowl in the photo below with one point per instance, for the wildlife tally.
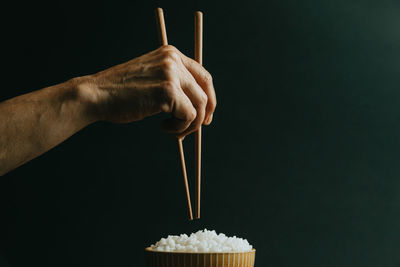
(199, 259)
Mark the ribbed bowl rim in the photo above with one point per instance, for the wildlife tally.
(148, 249)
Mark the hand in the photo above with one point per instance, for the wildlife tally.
(163, 80)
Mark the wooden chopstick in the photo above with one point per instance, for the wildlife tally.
(164, 41)
(162, 31)
(198, 56)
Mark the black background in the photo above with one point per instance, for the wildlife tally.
(302, 158)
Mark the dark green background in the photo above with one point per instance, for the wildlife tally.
(302, 158)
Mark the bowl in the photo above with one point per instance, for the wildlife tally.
(199, 259)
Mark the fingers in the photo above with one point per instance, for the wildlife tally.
(180, 106)
(198, 99)
(204, 79)
(191, 94)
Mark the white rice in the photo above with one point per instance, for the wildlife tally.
(202, 241)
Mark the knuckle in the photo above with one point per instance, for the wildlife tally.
(167, 64)
(208, 77)
(191, 115)
(174, 56)
(203, 99)
(167, 69)
(170, 52)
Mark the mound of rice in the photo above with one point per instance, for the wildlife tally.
(202, 241)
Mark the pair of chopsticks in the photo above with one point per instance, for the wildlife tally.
(198, 47)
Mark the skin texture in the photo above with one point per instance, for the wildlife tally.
(163, 80)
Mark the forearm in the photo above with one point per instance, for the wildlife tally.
(33, 123)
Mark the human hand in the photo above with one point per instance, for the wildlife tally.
(163, 80)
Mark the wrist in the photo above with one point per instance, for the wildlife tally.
(89, 97)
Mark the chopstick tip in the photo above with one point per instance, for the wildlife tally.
(159, 11)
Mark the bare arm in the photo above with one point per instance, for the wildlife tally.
(33, 123)
(163, 80)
